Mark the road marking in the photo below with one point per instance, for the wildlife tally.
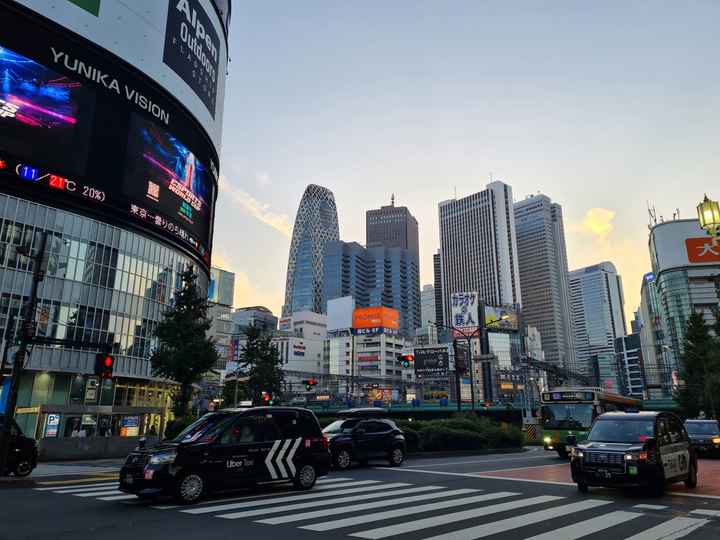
(351, 499)
(520, 457)
(671, 530)
(475, 475)
(117, 498)
(274, 500)
(323, 487)
(650, 507)
(60, 489)
(76, 480)
(588, 527)
(711, 513)
(390, 514)
(695, 495)
(497, 527)
(344, 510)
(99, 493)
(564, 465)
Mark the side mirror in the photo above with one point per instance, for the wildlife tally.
(571, 440)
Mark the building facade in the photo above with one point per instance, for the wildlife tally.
(686, 265)
(392, 227)
(630, 360)
(597, 302)
(658, 357)
(478, 247)
(374, 277)
(437, 285)
(123, 190)
(543, 267)
(221, 288)
(258, 316)
(427, 305)
(316, 224)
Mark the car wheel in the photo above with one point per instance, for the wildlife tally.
(583, 487)
(190, 487)
(305, 478)
(23, 468)
(343, 459)
(691, 480)
(397, 456)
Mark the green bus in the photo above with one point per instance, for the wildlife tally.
(569, 412)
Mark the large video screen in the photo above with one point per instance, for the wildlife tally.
(165, 177)
(40, 108)
(82, 131)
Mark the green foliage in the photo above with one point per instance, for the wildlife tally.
(175, 427)
(700, 368)
(184, 353)
(261, 362)
(228, 394)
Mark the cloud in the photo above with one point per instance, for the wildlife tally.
(263, 179)
(247, 295)
(255, 208)
(598, 222)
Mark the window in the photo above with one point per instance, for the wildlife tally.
(676, 430)
(287, 424)
(374, 427)
(244, 431)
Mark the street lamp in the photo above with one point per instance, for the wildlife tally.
(468, 337)
(709, 216)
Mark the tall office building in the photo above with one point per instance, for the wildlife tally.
(221, 290)
(542, 260)
(437, 284)
(427, 305)
(376, 276)
(478, 248)
(392, 227)
(654, 337)
(316, 224)
(596, 297)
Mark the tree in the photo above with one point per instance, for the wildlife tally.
(699, 366)
(261, 363)
(184, 353)
(229, 395)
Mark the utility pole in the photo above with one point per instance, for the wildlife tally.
(27, 332)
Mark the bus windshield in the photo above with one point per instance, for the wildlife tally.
(567, 415)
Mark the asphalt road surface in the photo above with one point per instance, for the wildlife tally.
(503, 497)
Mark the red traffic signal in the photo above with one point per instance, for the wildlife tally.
(407, 360)
(104, 364)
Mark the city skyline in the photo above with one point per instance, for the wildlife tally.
(531, 99)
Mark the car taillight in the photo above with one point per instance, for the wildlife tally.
(321, 440)
(325, 442)
(642, 456)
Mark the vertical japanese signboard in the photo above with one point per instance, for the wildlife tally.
(465, 311)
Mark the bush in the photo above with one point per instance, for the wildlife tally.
(175, 427)
(413, 440)
(439, 438)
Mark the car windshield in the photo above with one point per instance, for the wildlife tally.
(622, 431)
(567, 415)
(341, 426)
(207, 426)
(702, 428)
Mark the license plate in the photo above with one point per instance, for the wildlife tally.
(128, 479)
(632, 470)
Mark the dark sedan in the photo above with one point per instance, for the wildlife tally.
(704, 435)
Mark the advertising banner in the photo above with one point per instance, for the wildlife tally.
(432, 362)
(465, 311)
(375, 320)
(78, 130)
(180, 44)
(681, 243)
(500, 318)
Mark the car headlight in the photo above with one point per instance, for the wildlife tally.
(161, 459)
(576, 452)
(716, 440)
(547, 440)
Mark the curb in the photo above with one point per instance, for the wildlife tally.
(461, 453)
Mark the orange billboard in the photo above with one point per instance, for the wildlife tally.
(376, 319)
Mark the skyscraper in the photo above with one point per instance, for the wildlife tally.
(437, 284)
(542, 260)
(596, 297)
(393, 227)
(376, 276)
(316, 224)
(478, 248)
(427, 304)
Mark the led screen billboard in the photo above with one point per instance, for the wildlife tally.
(375, 320)
(82, 131)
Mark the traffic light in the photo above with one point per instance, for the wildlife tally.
(309, 384)
(407, 360)
(104, 364)
(267, 397)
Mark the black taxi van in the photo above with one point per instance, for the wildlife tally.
(23, 453)
(230, 449)
(650, 449)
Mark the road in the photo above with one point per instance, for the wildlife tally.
(503, 496)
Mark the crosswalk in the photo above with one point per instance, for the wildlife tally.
(375, 509)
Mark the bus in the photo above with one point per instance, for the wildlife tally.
(566, 412)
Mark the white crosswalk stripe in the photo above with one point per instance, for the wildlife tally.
(670, 530)
(515, 522)
(297, 497)
(423, 511)
(588, 527)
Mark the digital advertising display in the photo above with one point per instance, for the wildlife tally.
(81, 130)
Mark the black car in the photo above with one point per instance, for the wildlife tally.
(363, 434)
(22, 458)
(230, 449)
(649, 449)
(704, 435)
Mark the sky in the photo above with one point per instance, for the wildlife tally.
(605, 107)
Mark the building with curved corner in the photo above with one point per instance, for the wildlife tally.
(316, 224)
(110, 132)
